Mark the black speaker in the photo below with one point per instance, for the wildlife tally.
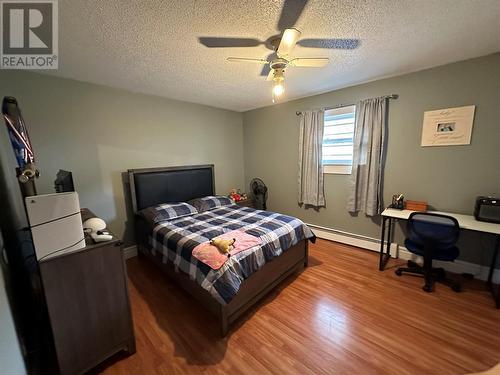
(487, 209)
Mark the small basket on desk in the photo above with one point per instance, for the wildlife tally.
(416, 206)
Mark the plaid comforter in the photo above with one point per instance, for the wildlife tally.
(174, 240)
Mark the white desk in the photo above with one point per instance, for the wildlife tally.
(467, 222)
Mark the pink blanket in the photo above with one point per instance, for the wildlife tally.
(210, 255)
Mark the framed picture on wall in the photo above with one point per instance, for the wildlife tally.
(448, 127)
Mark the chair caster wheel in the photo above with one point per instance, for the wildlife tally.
(398, 272)
(412, 264)
(441, 273)
(427, 288)
(456, 288)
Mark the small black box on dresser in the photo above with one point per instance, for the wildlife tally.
(246, 203)
(88, 303)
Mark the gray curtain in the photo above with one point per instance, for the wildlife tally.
(369, 143)
(311, 191)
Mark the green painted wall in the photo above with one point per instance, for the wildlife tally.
(99, 132)
(449, 178)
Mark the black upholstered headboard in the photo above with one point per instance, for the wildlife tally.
(153, 186)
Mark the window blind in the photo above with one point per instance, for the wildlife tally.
(338, 136)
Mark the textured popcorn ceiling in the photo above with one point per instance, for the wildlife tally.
(151, 46)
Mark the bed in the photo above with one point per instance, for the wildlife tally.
(245, 278)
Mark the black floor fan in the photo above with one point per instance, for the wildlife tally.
(259, 191)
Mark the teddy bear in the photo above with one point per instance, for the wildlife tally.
(224, 246)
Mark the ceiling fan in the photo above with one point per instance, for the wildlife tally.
(282, 61)
(282, 44)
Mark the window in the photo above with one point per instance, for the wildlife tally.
(338, 140)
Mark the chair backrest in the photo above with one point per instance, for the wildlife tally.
(440, 230)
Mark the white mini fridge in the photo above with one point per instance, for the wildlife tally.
(55, 223)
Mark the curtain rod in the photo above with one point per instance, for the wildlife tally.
(392, 96)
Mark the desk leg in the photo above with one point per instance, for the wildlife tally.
(382, 238)
(384, 258)
(492, 269)
(389, 239)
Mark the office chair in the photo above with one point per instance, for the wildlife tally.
(432, 236)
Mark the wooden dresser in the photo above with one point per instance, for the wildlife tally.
(87, 299)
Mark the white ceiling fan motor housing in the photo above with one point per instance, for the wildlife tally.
(279, 63)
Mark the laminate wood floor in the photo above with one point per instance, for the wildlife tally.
(339, 316)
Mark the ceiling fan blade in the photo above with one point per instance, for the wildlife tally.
(311, 62)
(215, 42)
(288, 41)
(244, 59)
(290, 13)
(330, 43)
(270, 76)
(265, 70)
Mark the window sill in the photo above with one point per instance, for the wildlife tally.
(337, 169)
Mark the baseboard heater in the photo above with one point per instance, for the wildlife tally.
(348, 238)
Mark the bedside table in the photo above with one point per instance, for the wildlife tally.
(246, 203)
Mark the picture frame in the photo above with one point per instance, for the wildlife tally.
(448, 127)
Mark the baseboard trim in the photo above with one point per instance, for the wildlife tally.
(130, 252)
(369, 243)
(364, 242)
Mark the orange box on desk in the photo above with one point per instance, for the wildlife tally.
(416, 206)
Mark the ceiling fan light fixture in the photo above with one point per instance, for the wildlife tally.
(278, 89)
(278, 84)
